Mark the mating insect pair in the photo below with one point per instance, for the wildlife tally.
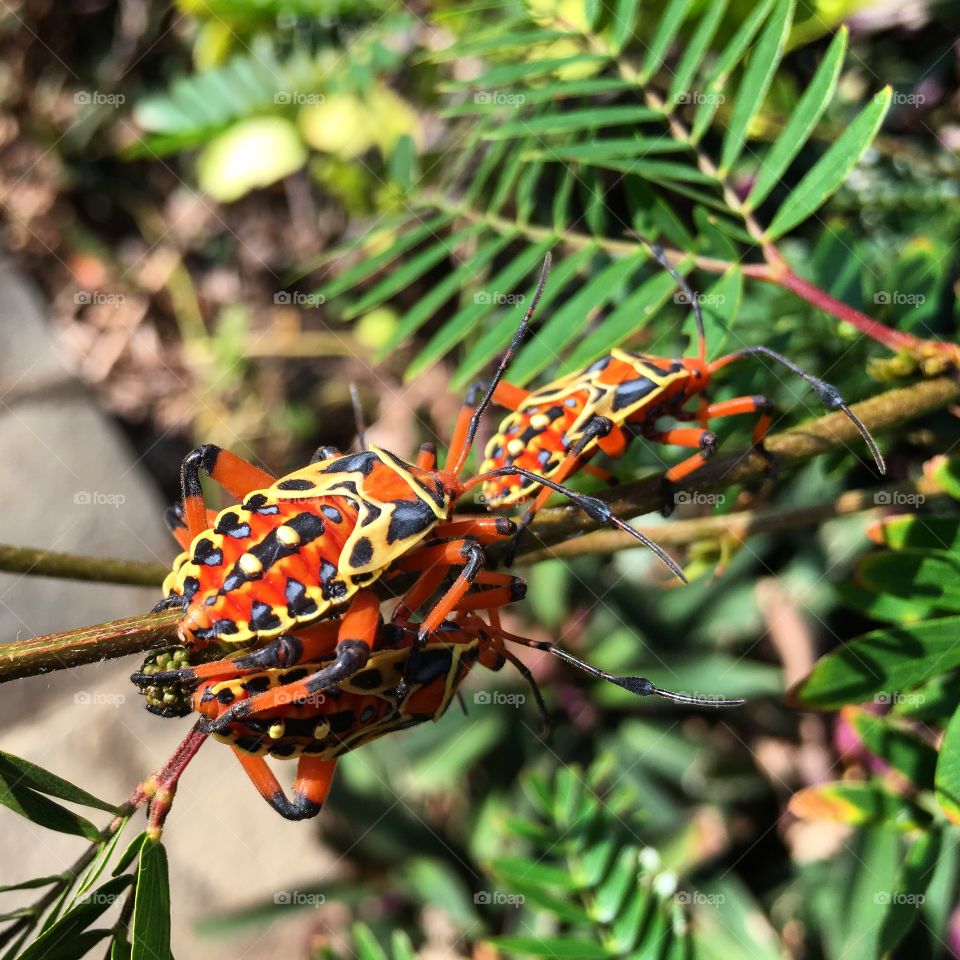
(556, 429)
(291, 700)
(303, 552)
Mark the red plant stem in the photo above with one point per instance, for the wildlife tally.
(896, 340)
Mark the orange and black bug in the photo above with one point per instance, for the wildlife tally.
(309, 545)
(555, 429)
(291, 698)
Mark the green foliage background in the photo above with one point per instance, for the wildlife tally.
(638, 829)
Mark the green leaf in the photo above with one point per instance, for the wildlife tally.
(947, 780)
(523, 870)
(609, 897)
(404, 276)
(498, 334)
(633, 313)
(366, 944)
(829, 172)
(101, 860)
(504, 283)
(903, 750)
(625, 13)
(549, 92)
(668, 25)
(907, 897)
(150, 926)
(32, 884)
(497, 42)
(918, 531)
(59, 940)
(610, 149)
(76, 947)
(888, 660)
(572, 121)
(130, 854)
(803, 120)
(508, 74)
(23, 773)
(756, 82)
(403, 239)
(712, 94)
(430, 303)
(925, 576)
(857, 804)
(38, 809)
(558, 948)
(694, 53)
(568, 322)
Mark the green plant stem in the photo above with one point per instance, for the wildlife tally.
(105, 641)
(741, 525)
(38, 562)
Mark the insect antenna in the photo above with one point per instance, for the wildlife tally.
(505, 362)
(594, 508)
(685, 288)
(640, 686)
(358, 417)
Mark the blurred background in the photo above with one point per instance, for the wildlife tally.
(196, 201)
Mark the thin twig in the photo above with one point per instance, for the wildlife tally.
(741, 524)
(38, 562)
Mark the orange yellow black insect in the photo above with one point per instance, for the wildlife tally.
(554, 430)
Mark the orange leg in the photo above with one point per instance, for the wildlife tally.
(310, 789)
(505, 395)
(610, 439)
(233, 473)
(178, 527)
(356, 638)
(427, 457)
